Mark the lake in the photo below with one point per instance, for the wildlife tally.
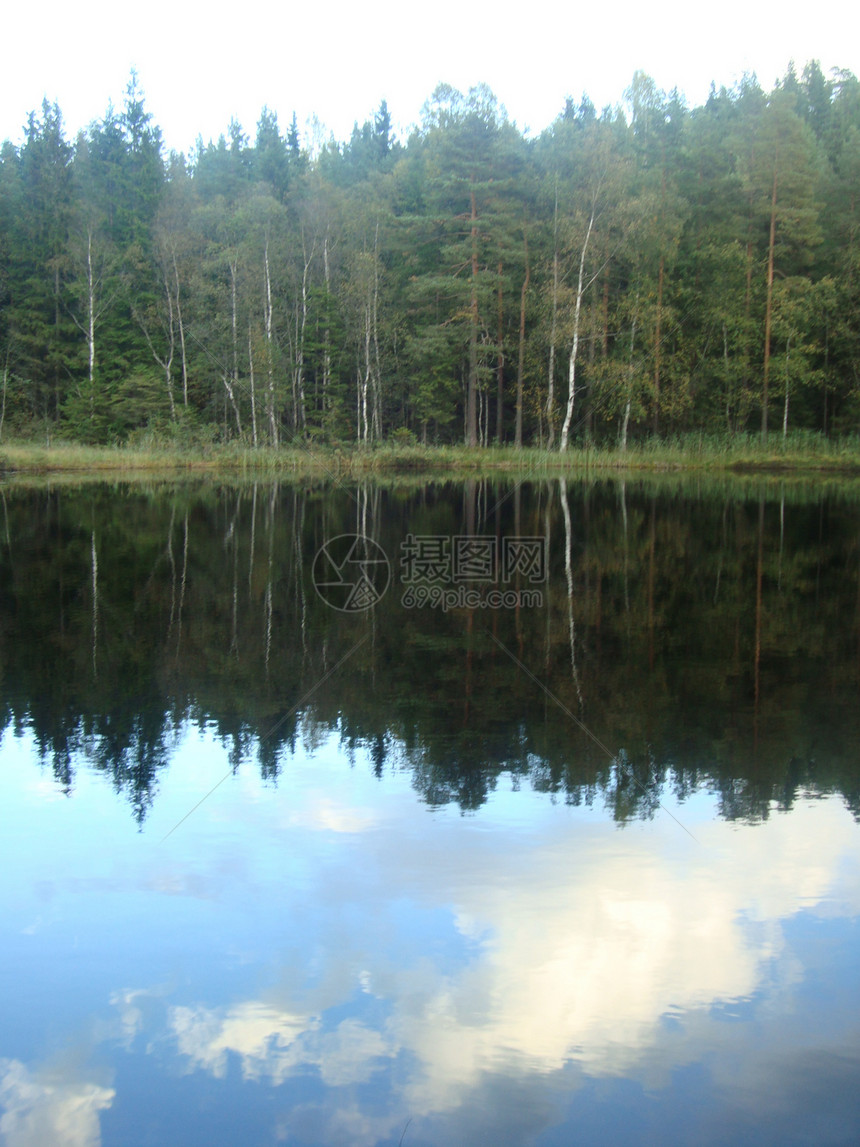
(430, 814)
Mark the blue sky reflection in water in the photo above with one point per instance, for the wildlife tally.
(323, 960)
(426, 906)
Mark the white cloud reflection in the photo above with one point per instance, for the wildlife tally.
(271, 1044)
(42, 1109)
(576, 942)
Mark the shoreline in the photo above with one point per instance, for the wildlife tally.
(744, 458)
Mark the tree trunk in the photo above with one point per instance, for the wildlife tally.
(181, 334)
(91, 321)
(522, 350)
(299, 417)
(270, 363)
(657, 335)
(500, 366)
(251, 379)
(5, 385)
(627, 405)
(574, 350)
(550, 387)
(326, 373)
(768, 313)
(376, 377)
(472, 386)
(234, 267)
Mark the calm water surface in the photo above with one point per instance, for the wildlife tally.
(580, 868)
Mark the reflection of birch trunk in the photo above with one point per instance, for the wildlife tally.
(182, 584)
(95, 562)
(231, 539)
(172, 562)
(269, 568)
(758, 611)
(298, 532)
(6, 521)
(568, 573)
(626, 553)
(652, 541)
(781, 536)
(253, 542)
(547, 528)
(722, 552)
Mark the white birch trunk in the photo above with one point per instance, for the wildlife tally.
(550, 385)
(253, 393)
(626, 420)
(231, 387)
(300, 358)
(568, 573)
(273, 425)
(91, 321)
(785, 408)
(164, 361)
(326, 379)
(231, 395)
(5, 386)
(574, 350)
(181, 333)
(366, 381)
(376, 430)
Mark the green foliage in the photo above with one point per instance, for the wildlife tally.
(705, 261)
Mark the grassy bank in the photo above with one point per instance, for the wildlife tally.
(808, 453)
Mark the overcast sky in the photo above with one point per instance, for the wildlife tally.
(337, 61)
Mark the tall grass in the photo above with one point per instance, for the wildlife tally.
(692, 452)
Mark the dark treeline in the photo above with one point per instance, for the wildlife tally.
(707, 636)
(628, 273)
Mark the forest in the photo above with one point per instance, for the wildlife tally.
(643, 270)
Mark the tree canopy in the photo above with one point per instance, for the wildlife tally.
(647, 269)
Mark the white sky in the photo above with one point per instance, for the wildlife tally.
(337, 61)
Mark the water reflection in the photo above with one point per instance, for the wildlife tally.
(420, 903)
(702, 639)
(480, 971)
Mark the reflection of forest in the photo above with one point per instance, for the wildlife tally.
(708, 635)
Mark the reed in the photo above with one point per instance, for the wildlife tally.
(801, 452)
